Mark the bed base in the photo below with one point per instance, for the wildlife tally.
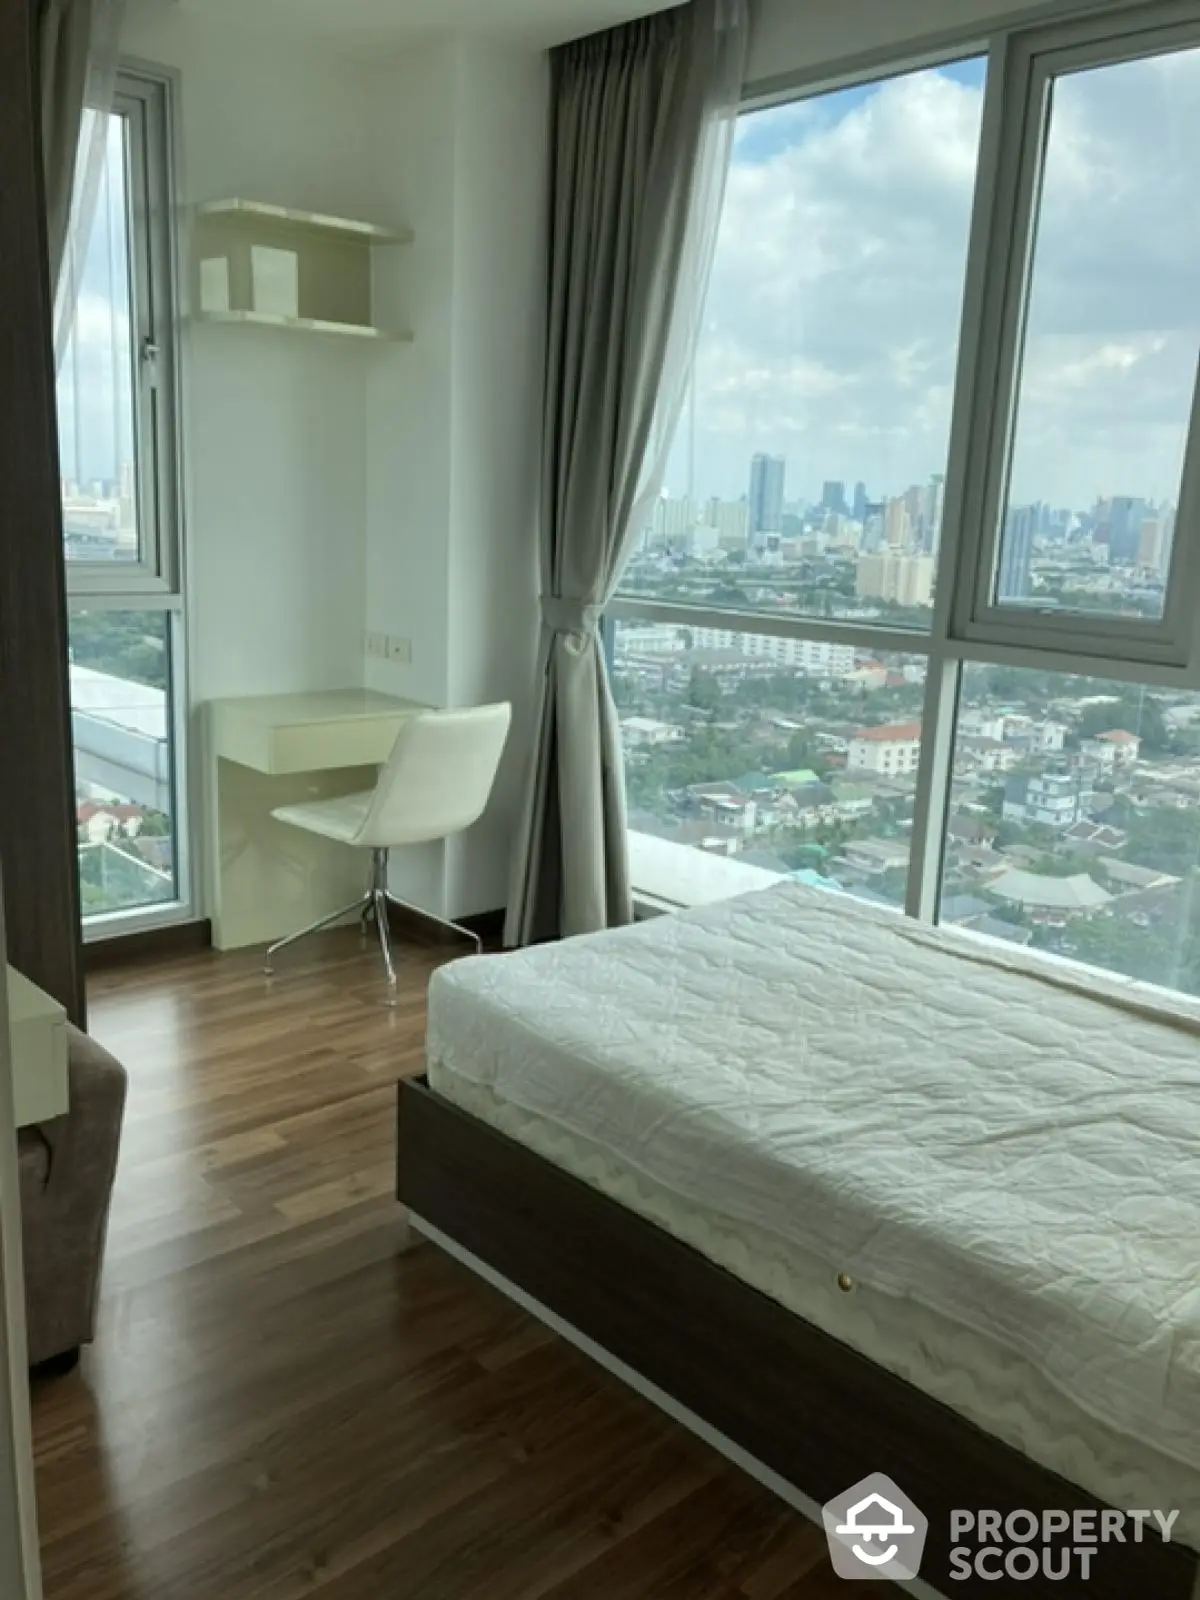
(804, 1414)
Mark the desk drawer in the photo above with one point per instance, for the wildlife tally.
(321, 746)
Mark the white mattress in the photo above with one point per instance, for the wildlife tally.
(979, 1143)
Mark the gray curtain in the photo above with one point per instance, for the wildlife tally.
(78, 42)
(642, 119)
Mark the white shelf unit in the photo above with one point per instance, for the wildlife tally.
(333, 268)
(363, 332)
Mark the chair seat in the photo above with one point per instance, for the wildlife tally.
(340, 818)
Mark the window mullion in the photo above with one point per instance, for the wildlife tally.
(931, 802)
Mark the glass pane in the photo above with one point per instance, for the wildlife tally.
(1111, 342)
(1075, 822)
(96, 424)
(807, 473)
(750, 758)
(124, 789)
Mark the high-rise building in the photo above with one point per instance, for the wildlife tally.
(766, 497)
(897, 525)
(935, 500)
(833, 495)
(859, 508)
(904, 580)
(1154, 544)
(1125, 518)
(730, 519)
(1016, 554)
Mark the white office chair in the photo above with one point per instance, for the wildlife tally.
(435, 783)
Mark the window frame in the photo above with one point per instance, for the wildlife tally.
(1025, 65)
(1165, 655)
(144, 99)
(156, 581)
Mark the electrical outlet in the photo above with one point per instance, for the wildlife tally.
(376, 644)
(400, 650)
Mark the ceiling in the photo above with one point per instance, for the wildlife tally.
(369, 24)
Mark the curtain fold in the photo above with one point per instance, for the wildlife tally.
(78, 47)
(641, 133)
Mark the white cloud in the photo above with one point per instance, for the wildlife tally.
(834, 312)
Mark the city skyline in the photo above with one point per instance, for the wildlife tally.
(832, 325)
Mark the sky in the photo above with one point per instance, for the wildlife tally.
(833, 317)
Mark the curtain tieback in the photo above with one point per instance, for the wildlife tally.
(562, 614)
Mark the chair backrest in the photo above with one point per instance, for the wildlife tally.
(438, 777)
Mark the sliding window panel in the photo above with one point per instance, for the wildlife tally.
(1082, 466)
(807, 478)
(752, 757)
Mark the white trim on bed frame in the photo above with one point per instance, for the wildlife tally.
(649, 1391)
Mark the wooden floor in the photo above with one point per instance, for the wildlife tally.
(281, 1405)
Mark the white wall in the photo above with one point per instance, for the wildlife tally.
(459, 146)
(275, 426)
(497, 398)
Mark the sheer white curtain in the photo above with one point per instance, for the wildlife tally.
(700, 245)
(79, 44)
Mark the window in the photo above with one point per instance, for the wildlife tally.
(916, 617)
(1075, 820)
(1081, 461)
(117, 446)
(809, 474)
(750, 758)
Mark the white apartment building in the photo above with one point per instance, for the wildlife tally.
(891, 750)
(648, 639)
(903, 580)
(818, 658)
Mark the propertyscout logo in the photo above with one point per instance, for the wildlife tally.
(875, 1531)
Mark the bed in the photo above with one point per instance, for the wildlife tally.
(848, 1193)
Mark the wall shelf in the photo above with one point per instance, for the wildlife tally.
(273, 266)
(266, 319)
(252, 212)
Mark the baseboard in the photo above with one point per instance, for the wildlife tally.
(148, 944)
(408, 922)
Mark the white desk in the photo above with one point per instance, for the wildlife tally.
(266, 879)
(38, 1030)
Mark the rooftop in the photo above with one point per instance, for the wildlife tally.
(1076, 893)
(891, 732)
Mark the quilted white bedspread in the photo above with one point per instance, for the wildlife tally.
(959, 1126)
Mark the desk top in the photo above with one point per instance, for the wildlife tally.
(317, 705)
(318, 731)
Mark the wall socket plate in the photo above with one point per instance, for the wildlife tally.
(387, 647)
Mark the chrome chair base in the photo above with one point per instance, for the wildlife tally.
(372, 905)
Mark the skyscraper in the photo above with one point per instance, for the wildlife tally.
(1125, 519)
(896, 524)
(833, 495)
(859, 507)
(1016, 554)
(766, 497)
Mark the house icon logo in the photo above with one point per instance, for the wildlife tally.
(875, 1531)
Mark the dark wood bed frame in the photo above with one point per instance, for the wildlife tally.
(805, 1407)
